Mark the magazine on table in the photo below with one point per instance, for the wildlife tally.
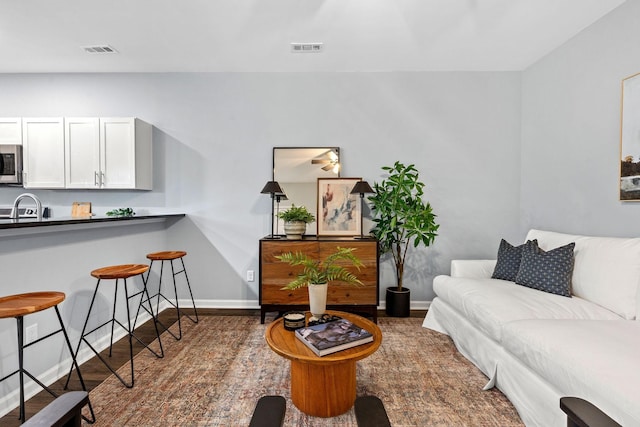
(330, 337)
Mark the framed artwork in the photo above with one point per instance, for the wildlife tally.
(630, 140)
(338, 209)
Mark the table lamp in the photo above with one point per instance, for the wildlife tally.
(362, 188)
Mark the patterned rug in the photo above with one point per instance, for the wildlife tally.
(222, 366)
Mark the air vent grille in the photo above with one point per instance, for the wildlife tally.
(306, 47)
(99, 49)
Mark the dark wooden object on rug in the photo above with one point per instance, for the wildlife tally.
(269, 412)
(581, 413)
(370, 412)
(64, 411)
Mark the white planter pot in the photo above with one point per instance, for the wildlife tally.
(317, 299)
(295, 229)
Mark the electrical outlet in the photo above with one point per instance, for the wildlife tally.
(31, 333)
(250, 276)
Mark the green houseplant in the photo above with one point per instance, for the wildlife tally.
(317, 273)
(401, 218)
(295, 220)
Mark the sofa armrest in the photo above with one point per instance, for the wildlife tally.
(64, 411)
(581, 413)
(473, 268)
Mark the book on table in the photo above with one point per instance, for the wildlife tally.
(330, 337)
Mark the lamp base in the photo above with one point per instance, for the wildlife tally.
(273, 237)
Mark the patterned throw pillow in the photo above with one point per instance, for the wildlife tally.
(547, 271)
(509, 257)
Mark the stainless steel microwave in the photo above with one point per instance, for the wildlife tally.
(10, 164)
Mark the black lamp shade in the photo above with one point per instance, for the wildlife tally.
(361, 187)
(272, 187)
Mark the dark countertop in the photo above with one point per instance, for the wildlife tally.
(6, 224)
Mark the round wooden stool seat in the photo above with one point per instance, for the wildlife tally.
(32, 302)
(166, 255)
(119, 271)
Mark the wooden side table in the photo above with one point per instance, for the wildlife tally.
(322, 386)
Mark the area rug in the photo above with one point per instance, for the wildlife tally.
(215, 375)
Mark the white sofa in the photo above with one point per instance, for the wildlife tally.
(537, 347)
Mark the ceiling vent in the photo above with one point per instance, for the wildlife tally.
(306, 47)
(99, 49)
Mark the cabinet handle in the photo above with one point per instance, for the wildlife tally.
(95, 179)
(101, 179)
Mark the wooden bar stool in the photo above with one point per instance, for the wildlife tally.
(21, 305)
(118, 272)
(171, 256)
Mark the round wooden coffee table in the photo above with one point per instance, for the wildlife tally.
(322, 386)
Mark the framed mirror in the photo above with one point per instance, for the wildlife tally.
(297, 170)
(630, 140)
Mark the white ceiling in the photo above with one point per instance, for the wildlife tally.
(255, 35)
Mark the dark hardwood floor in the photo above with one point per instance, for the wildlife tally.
(94, 372)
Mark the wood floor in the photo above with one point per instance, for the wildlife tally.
(94, 372)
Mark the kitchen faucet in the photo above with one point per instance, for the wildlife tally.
(14, 211)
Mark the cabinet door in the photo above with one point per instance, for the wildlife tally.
(118, 149)
(82, 152)
(10, 130)
(43, 152)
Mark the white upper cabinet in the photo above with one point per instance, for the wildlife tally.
(82, 152)
(87, 152)
(125, 153)
(43, 152)
(10, 130)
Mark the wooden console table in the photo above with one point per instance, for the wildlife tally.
(274, 275)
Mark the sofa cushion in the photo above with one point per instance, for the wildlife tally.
(606, 269)
(547, 271)
(490, 303)
(597, 360)
(508, 260)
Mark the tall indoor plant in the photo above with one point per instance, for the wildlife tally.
(401, 218)
(317, 273)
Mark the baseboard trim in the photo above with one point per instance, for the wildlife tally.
(254, 305)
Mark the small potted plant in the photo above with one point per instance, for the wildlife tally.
(401, 218)
(295, 220)
(316, 274)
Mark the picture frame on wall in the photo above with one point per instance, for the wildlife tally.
(630, 139)
(338, 209)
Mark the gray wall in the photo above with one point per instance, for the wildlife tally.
(571, 131)
(214, 134)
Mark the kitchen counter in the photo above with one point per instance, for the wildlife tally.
(11, 227)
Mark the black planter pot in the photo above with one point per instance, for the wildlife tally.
(398, 302)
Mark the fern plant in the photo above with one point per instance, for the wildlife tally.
(322, 271)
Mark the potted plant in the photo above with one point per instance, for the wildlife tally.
(316, 274)
(401, 219)
(295, 220)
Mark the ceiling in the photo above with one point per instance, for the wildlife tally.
(256, 35)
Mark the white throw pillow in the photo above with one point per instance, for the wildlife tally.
(606, 269)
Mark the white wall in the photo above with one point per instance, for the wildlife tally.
(214, 134)
(571, 131)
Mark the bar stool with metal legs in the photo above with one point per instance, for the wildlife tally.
(118, 272)
(21, 305)
(171, 256)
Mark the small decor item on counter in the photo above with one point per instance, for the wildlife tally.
(81, 210)
(295, 220)
(121, 212)
(293, 320)
(330, 337)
